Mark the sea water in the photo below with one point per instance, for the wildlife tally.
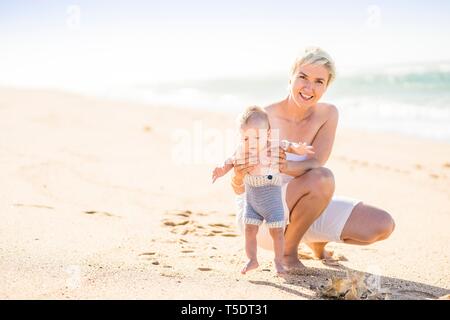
(414, 101)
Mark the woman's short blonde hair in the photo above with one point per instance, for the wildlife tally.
(318, 56)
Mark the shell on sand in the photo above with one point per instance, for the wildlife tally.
(350, 287)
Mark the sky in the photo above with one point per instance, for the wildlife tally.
(76, 44)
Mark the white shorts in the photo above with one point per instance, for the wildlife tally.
(327, 227)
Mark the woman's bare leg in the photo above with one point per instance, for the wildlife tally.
(307, 196)
(366, 225)
(278, 247)
(318, 249)
(250, 248)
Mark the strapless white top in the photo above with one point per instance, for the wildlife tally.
(295, 157)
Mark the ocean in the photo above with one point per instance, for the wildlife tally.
(413, 101)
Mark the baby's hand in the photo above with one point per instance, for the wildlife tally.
(221, 171)
(301, 148)
(217, 173)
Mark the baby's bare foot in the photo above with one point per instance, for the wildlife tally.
(279, 267)
(250, 265)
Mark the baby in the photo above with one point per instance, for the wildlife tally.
(262, 184)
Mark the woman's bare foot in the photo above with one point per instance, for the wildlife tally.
(279, 267)
(319, 252)
(250, 265)
(293, 264)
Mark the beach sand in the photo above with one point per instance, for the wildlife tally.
(94, 207)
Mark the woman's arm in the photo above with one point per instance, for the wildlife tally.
(297, 168)
(324, 138)
(322, 144)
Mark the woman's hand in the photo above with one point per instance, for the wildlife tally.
(278, 158)
(301, 148)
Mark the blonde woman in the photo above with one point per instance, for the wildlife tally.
(313, 214)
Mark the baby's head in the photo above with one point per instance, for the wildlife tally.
(254, 128)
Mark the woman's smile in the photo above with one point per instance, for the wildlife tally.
(305, 97)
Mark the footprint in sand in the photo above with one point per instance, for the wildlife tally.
(223, 233)
(149, 257)
(39, 206)
(204, 269)
(181, 213)
(171, 223)
(92, 212)
(219, 225)
(181, 226)
(147, 254)
(214, 233)
(172, 274)
(178, 221)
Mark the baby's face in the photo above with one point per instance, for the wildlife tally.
(254, 137)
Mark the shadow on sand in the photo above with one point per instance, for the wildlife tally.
(314, 278)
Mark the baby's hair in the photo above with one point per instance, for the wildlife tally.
(253, 113)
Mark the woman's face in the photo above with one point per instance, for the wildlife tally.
(308, 84)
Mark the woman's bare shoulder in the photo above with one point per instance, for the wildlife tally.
(274, 110)
(328, 110)
(271, 109)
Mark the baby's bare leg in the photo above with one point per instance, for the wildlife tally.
(278, 247)
(250, 248)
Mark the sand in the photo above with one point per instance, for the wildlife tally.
(94, 207)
